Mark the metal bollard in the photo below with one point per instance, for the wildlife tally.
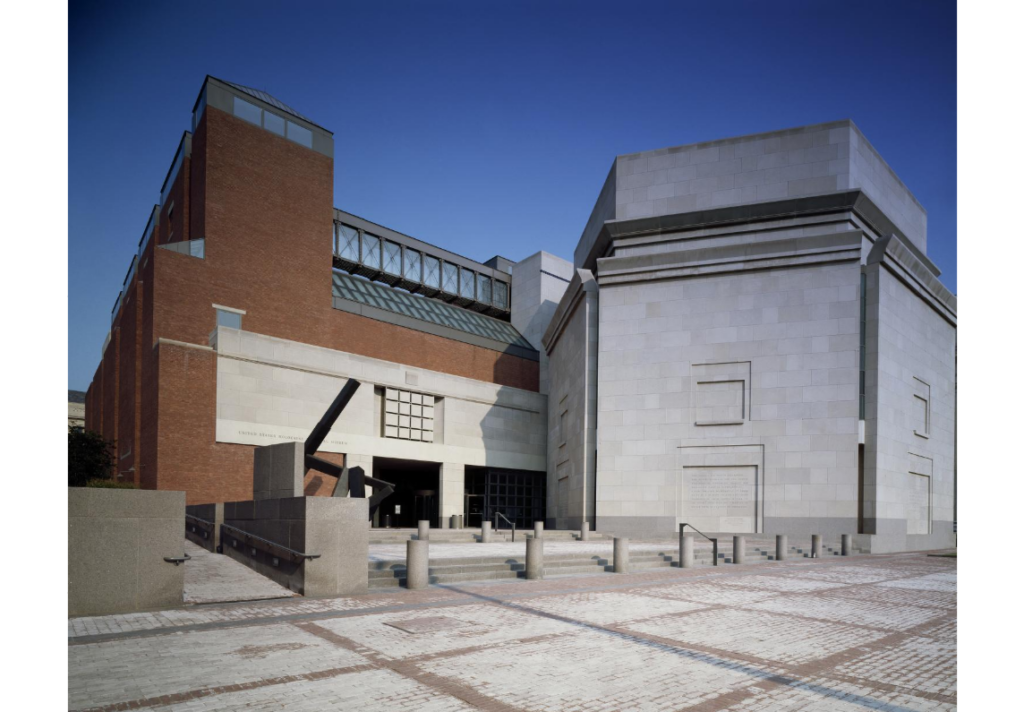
(417, 561)
(423, 530)
(845, 545)
(686, 550)
(443, 522)
(538, 530)
(815, 546)
(460, 521)
(535, 558)
(454, 523)
(781, 545)
(585, 532)
(621, 552)
(485, 533)
(739, 545)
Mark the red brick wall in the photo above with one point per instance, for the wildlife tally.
(110, 387)
(128, 382)
(265, 207)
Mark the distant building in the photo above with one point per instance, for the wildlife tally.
(76, 409)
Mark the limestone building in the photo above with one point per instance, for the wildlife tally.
(76, 409)
(754, 340)
(750, 338)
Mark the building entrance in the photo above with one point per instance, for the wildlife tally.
(516, 494)
(416, 494)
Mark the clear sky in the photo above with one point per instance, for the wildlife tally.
(489, 127)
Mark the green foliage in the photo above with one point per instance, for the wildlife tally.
(89, 457)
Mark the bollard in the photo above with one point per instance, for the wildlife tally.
(416, 564)
(538, 530)
(485, 533)
(845, 545)
(686, 550)
(458, 521)
(585, 532)
(815, 546)
(621, 549)
(444, 522)
(423, 531)
(535, 558)
(780, 547)
(454, 521)
(739, 545)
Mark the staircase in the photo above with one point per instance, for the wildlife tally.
(465, 536)
(391, 574)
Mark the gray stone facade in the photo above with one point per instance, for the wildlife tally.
(745, 289)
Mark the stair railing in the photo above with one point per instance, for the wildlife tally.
(511, 523)
(713, 540)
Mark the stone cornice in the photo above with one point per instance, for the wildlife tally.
(789, 252)
(851, 200)
(893, 253)
(582, 282)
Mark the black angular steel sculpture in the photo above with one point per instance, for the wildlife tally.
(350, 482)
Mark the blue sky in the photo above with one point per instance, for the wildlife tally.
(489, 127)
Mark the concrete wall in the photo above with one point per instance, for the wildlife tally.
(271, 390)
(117, 541)
(336, 528)
(740, 387)
(209, 537)
(911, 351)
(538, 283)
(571, 344)
(809, 160)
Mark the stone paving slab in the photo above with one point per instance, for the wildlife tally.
(215, 578)
(845, 636)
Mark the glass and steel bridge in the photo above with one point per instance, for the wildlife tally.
(383, 255)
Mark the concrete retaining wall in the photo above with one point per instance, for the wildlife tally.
(336, 528)
(117, 541)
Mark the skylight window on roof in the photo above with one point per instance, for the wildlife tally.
(371, 251)
(392, 258)
(412, 265)
(247, 111)
(450, 277)
(431, 271)
(300, 135)
(273, 123)
(467, 286)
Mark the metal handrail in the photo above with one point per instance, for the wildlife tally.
(177, 559)
(713, 540)
(194, 523)
(271, 547)
(511, 523)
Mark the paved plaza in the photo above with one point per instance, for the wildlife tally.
(862, 633)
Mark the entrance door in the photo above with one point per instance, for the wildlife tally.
(415, 496)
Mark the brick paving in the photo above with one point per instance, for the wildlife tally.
(862, 633)
(212, 578)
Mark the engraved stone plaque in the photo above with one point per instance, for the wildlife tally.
(721, 499)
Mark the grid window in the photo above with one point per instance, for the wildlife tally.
(406, 415)
(392, 258)
(431, 271)
(371, 251)
(451, 279)
(500, 294)
(348, 243)
(483, 289)
(467, 286)
(412, 265)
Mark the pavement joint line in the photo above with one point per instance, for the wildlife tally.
(677, 576)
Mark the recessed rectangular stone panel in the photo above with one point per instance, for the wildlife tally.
(720, 393)
(918, 504)
(720, 499)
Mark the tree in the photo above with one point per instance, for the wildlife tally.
(89, 457)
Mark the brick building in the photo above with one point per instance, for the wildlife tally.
(750, 337)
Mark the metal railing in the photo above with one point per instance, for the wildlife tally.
(713, 540)
(199, 526)
(277, 551)
(511, 523)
